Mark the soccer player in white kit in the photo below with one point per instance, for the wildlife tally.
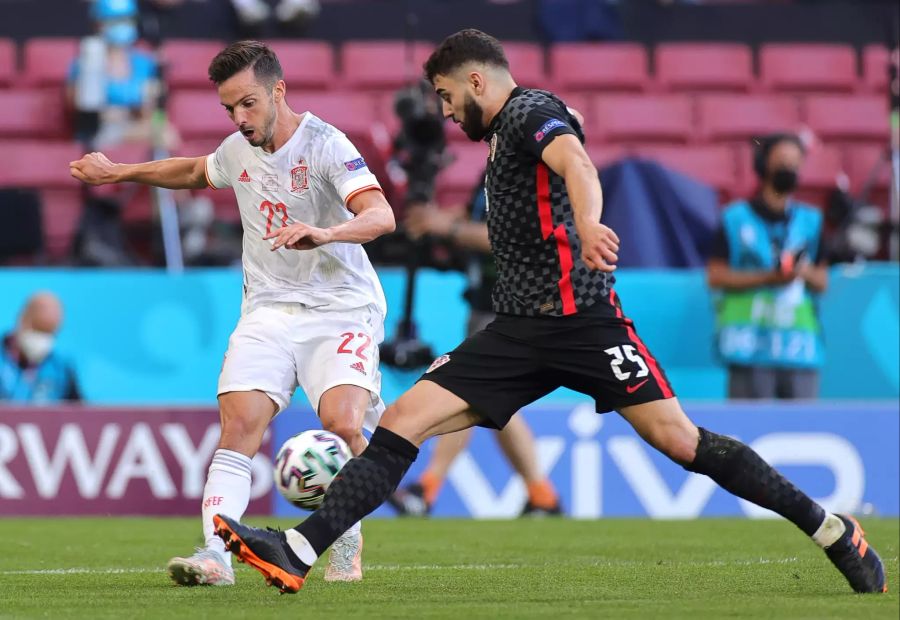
(313, 309)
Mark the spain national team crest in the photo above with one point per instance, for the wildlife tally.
(438, 363)
(300, 177)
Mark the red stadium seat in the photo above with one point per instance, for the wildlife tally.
(36, 113)
(599, 66)
(44, 166)
(38, 164)
(704, 66)
(198, 147)
(350, 112)
(62, 210)
(865, 161)
(8, 63)
(641, 118)
(744, 117)
(715, 165)
(578, 101)
(186, 62)
(199, 114)
(382, 64)
(819, 174)
(47, 60)
(875, 68)
(129, 153)
(808, 67)
(849, 117)
(306, 64)
(466, 169)
(526, 62)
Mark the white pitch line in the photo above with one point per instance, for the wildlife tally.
(438, 567)
(81, 571)
(373, 567)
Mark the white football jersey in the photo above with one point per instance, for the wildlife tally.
(309, 179)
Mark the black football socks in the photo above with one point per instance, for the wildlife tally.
(742, 472)
(360, 487)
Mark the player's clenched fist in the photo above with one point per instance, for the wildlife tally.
(599, 246)
(299, 236)
(93, 168)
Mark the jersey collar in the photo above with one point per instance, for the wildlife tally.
(492, 128)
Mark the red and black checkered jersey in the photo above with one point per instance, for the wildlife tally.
(530, 220)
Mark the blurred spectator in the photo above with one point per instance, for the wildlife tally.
(767, 260)
(113, 86)
(30, 370)
(580, 20)
(115, 89)
(253, 14)
(466, 230)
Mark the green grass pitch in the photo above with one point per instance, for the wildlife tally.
(712, 568)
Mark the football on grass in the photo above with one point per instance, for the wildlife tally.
(306, 464)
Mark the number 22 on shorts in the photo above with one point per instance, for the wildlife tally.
(348, 345)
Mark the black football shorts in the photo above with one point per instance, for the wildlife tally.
(516, 360)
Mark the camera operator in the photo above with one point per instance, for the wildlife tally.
(418, 155)
(465, 230)
(768, 263)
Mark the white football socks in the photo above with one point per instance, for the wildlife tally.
(227, 492)
(829, 532)
(301, 547)
(304, 551)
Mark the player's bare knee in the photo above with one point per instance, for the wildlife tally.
(242, 429)
(344, 427)
(402, 420)
(241, 434)
(679, 444)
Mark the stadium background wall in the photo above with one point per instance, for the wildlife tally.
(76, 460)
(144, 337)
(857, 23)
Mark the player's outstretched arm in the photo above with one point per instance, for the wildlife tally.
(599, 244)
(374, 217)
(173, 173)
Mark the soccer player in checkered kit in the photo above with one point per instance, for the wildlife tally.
(559, 323)
(313, 309)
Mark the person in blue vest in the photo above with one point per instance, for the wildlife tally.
(115, 79)
(30, 370)
(768, 267)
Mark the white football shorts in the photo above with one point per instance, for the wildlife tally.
(279, 346)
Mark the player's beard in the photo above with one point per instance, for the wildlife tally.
(264, 134)
(473, 120)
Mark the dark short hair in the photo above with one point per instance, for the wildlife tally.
(764, 146)
(238, 56)
(467, 45)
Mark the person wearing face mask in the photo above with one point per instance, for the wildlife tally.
(768, 267)
(30, 370)
(113, 79)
